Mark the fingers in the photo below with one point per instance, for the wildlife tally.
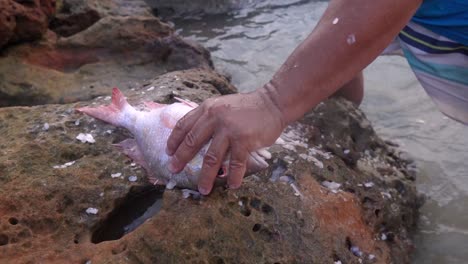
(194, 140)
(237, 166)
(212, 162)
(183, 126)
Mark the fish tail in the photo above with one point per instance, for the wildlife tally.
(115, 113)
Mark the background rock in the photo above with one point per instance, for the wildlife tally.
(24, 20)
(44, 209)
(125, 46)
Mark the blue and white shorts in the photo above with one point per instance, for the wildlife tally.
(441, 66)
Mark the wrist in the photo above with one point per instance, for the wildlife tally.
(270, 97)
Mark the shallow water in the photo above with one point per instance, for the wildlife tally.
(251, 44)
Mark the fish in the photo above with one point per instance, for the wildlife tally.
(151, 128)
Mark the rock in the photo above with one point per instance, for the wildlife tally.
(44, 209)
(24, 20)
(77, 15)
(122, 45)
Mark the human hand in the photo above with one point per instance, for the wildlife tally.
(239, 123)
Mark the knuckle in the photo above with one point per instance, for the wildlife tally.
(190, 139)
(180, 125)
(211, 159)
(205, 181)
(236, 165)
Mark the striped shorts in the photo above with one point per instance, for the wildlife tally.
(440, 65)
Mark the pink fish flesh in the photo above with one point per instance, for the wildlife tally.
(151, 129)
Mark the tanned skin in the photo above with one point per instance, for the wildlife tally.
(332, 57)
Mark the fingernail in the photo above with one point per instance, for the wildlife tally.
(168, 152)
(171, 167)
(203, 190)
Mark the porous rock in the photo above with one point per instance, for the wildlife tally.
(45, 211)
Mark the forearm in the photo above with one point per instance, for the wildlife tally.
(335, 52)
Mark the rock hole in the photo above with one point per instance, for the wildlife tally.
(390, 237)
(267, 208)
(13, 221)
(399, 186)
(76, 241)
(140, 204)
(200, 244)
(3, 240)
(348, 243)
(255, 203)
(189, 84)
(377, 212)
(217, 260)
(245, 211)
(367, 200)
(267, 235)
(256, 227)
(244, 200)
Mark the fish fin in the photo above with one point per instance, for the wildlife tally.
(153, 105)
(187, 102)
(130, 148)
(171, 184)
(111, 113)
(255, 163)
(263, 152)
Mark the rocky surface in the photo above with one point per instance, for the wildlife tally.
(24, 20)
(116, 43)
(62, 200)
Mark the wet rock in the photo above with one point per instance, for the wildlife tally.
(46, 211)
(77, 15)
(122, 44)
(24, 20)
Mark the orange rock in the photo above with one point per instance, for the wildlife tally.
(24, 20)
